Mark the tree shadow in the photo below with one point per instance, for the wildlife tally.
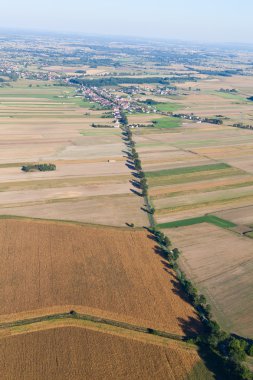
(128, 144)
(135, 183)
(136, 192)
(135, 174)
(168, 268)
(127, 153)
(178, 290)
(191, 326)
(131, 167)
(151, 237)
(160, 251)
(213, 362)
(129, 225)
(248, 340)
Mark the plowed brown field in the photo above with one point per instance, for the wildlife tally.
(80, 353)
(220, 263)
(113, 273)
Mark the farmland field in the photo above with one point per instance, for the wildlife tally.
(134, 357)
(50, 124)
(131, 279)
(137, 139)
(190, 171)
(167, 122)
(200, 180)
(220, 263)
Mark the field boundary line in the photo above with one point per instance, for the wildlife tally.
(91, 318)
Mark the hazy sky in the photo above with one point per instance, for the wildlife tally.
(203, 20)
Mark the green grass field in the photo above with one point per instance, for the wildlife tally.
(186, 170)
(231, 96)
(201, 219)
(193, 177)
(168, 107)
(168, 122)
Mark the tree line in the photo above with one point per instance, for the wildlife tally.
(115, 81)
(228, 351)
(38, 167)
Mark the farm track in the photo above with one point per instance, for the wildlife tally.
(91, 318)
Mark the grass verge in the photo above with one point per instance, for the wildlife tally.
(201, 219)
(186, 170)
(168, 107)
(168, 122)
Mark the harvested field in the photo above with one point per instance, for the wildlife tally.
(204, 219)
(82, 353)
(241, 215)
(51, 124)
(112, 273)
(205, 186)
(170, 215)
(186, 170)
(181, 186)
(112, 210)
(204, 198)
(220, 263)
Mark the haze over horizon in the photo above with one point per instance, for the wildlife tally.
(194, 20)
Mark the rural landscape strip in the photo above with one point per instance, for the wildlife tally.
(227, 350)
(186, 170)
(91, 318)
(201, 219)
(184, 159)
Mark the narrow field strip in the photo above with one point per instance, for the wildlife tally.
(65, 323)
(186, 170)
(61, 182)
(95, 319)
(202, 219)
(194, 177)
(161, 192)
(219, 202)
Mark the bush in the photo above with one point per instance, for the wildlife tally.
(39, 167)
(249, 349)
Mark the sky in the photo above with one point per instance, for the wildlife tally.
(193, 20)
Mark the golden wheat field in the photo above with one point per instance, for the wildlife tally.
(81, 353)
(114, 273)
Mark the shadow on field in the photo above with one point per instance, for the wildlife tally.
(130, 166)
(136, 192)
(212, 361)
(135, 174)
(168, 268)
(161, 252)
(135, 183)
(145, 210)
(191, 326)
(177, 289)
(126, 153)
